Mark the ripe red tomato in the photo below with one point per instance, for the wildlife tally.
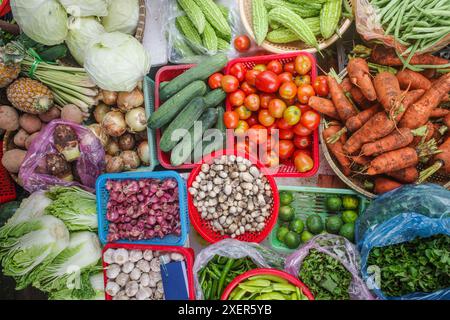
(303, 162)
(248, 89)
(241, 128)
(303, 64)
(303, 107)
(301, 130)
(229, 83)
(311, 120)
(292, 115)
(257, 134)
(260, 67)
(307, 152)
(238, 70)
(285, 77)
(282, 124)
(242, 43)
(250, 76)
(267, 81)
(265, 118)
(304, 93)
(215, 80)
(288, 90)
(301, 80)
(243, 113)
(302, 142)
(285, 149)
(265, 99)
(252, 102)
(270, 159)
(289, 67)
(275, 66)
(286, 134)
(320, 86)
(237, 98)
(231, 119)
(252, 120)
(276, 108)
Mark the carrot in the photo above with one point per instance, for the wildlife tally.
(388, 89)
(356, 122)
(359, 98)
(393, 161)
(429, 133)
(442, 162)
(383, 185)
(343, 107)
(419, 113)
(412, 80)
(410, 98)
(323, 106)
(388, 57)
(336, 148)
(376, 128)
(358, 71)
(439, 113)
(406, 175)
(396, 140)
(346, 85)
(429, 73)
(361, 160)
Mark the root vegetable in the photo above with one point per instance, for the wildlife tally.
(115, 164)
(136, 120)
(387, 88)
(112, 288)
(356, 122)
(100, 133)
(396, 140)
(30, 139)
(388, 57)
(112, 271)
(343, 107)
(127, 142)
(113, 148)
(20, 138)
(412, 80)
(130, 159)
(359, 98)
(9, 118)
(410, 98)
(406, 175)
(135, 255)
(383, 185)
(71, 112)
(361, 160)
(108, 256)
(100, 111)
(441, 162)
(109, 97)
(439, 113)
(393, 161)
(359, 74)
(143, 265)
(30, 123)
(143, 152)
(336, 148)
(346, 85)
(120, 256)
(129, 100)
(323, 106)
(51, 114)
(131, 288)
(429, 133)
(114, 123)
(66, 142)
(58, 166)
(122, 279)
(13, 159)
(128, 267)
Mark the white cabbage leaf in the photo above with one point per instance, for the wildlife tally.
(86, 8)
(123, 16)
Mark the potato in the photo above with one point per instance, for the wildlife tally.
(9, 118)
(51, 114)
(12, 160)
(30, 123)
(71, 112)
(30, 139)
(20, 138)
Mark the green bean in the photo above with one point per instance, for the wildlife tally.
(239, 294)
(271, 296)
(225, 271)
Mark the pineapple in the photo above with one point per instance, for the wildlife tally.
(30, 96)
(9, 69)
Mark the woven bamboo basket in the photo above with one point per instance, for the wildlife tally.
(245, 8)
(139, 35)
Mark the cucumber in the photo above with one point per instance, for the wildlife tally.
(202, 71)
(182, 151)
(220, 124)
(214, 98)
(173, 106)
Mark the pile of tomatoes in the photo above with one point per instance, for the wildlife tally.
(272, 97)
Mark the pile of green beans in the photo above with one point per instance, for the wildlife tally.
(219, 272)
(266, 287)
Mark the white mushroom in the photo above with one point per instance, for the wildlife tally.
(148, 255)
(176, 256)
(112, 271)
(120, 256)
(143, 265)
(108, 256)
(144, 293)
(131, 288)
(135, 274)
(128, 267)
(112, 288)
(135, 255)
(122, 279)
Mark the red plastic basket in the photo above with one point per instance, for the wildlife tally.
(186, 252)
(7, 189)
(266, 271)
(286, 168)
(5, 8)
(204, 228)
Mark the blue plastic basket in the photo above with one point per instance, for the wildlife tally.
(103, 196)
(149, 91)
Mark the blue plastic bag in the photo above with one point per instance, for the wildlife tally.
(401, 216)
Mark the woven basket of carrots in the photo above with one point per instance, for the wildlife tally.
(385, 126)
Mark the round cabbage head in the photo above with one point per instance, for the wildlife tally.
(86, 8)
(123, 16)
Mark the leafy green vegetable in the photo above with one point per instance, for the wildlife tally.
(420, 265)
(325, 276)
(92, 288)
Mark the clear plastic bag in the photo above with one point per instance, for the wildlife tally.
(89, 165)
(340, 249)
(231, 248)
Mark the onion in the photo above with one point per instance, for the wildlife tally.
(115, 164)
(131, 160)
(100, 133)
(127, 142)
(109, 97)
(100, 111)
(113, 148)
(114, 123)
(136, 120)
(143, 152)
(130, 100)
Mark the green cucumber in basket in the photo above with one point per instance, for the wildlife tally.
(183, 150)
(202, 71)
(175, 104)
(214, 98)
(184, 120)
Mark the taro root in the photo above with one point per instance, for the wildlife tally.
(58, 167)
(66, 142)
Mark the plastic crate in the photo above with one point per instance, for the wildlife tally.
(186, 252)
(149, 89)
(103, 196)
(203, 227)
(311, 200)
(7, 190)
(266, 271)
(5, 8)
(286, 168)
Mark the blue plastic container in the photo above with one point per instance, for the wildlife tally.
(103, 196)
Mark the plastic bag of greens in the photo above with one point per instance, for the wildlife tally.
(329, 266)
(218, 264)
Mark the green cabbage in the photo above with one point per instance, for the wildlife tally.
(86, 8)
(123, 16)
(116, 62)
(44, 21)
(93, 289)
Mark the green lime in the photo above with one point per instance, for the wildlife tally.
(306, 236)
(349, 216)
(286, 213)
(286, 198)
(297, 225)
(314, 224)
(350, 202)
(334, 224)
(334, 203)
(282, 232)
(348, 231)
(292, 240)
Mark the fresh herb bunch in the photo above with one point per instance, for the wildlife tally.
(325, 276)
(420, 265)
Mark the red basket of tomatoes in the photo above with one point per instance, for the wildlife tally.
(271, 92)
